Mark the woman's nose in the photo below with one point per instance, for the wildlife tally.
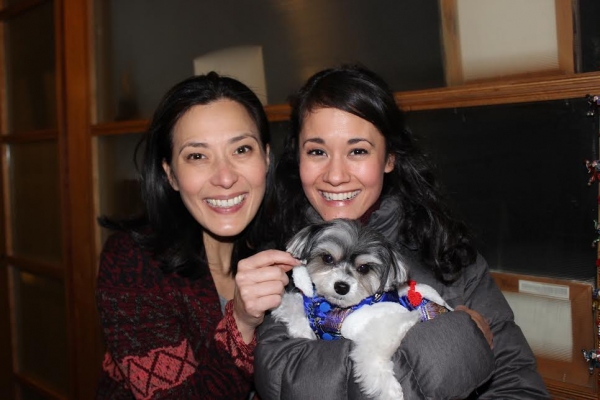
(225, 174)
(336, 172)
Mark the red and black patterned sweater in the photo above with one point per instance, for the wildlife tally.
(166, 335)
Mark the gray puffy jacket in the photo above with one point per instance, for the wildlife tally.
(444, 358)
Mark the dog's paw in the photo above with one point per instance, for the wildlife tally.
(291, 313)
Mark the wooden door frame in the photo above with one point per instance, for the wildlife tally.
(75, 145)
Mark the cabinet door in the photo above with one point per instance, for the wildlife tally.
(34, 313)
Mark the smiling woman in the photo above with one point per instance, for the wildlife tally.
(350, 155)
(177, 305)
(219, 166)
(343, 159)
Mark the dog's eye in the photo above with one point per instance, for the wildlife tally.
(363, 269)
(327, 258)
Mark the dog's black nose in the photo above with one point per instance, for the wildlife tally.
(341, 287)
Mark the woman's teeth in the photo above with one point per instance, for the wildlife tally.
(226, 203)
(339, 196)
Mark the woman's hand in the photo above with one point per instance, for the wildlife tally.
(260, 283)
(481, 323)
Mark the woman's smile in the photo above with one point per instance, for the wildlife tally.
(229, 203)
(330, 196)
(343, 161)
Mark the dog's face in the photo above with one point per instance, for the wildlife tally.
(348, 262)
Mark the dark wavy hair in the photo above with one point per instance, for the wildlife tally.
(166, 227)
(426, 222)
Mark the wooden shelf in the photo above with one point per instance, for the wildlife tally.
(480, 94)
(502, 92)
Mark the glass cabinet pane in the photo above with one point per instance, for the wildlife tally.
(41, 332)
(35, 201)
(143, 48)
(27, 393)
(30, 68)
(515, 174)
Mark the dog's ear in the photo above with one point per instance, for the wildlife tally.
(299, 246)
(398, 273)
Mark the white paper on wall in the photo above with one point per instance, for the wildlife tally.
(244, 63)
(508, 37)
(546, 322)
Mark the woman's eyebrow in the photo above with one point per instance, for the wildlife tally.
(242, 137)
(358, 140)
(193, 145)
(313, 140)
(204, 145)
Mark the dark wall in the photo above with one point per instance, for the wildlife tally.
(155, 41)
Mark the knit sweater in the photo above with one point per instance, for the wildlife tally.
(166, 335)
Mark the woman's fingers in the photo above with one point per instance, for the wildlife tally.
(252, 295)
(482, 324)
(260, 284)
(263, 274)
(268, 258)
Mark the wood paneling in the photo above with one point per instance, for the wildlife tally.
(78, 207)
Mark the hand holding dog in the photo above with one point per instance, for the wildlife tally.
(260, 284)
(482, 324)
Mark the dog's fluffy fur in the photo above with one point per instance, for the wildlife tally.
(346, 263)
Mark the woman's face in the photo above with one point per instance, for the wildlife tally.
(218, 166)
(342, 163)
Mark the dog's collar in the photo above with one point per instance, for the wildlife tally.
(326, 319)
(414, 300)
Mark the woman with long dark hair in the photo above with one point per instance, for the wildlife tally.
(349, 155)
(180, 290)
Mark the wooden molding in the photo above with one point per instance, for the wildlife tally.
(480, 94)
(503, 92)
(119, 127)
(46, 269)
(565, 35)
(278, 112)
(85, 342)
(450, 42)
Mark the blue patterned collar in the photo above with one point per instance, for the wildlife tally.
(326, 319)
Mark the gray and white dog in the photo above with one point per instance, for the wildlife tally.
(349, 285)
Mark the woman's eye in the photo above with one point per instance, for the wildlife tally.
(315, 152)
(356, 152)
(195, 156)
(363, 269)
(243, 149)
(327, 259)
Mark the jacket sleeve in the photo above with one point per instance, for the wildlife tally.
(444, 358)
(151, 351)
(515, 375)
(289, 368)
